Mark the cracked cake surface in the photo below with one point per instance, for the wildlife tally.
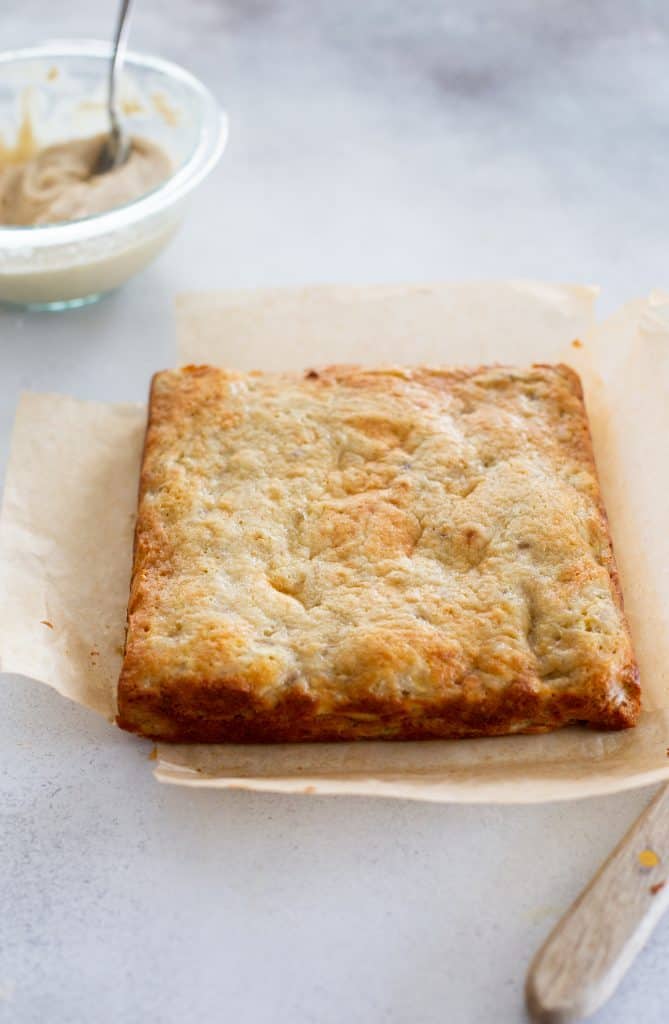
(396, 553)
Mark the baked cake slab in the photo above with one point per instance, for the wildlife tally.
(358, 553)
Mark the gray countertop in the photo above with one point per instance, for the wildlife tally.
(370, 141)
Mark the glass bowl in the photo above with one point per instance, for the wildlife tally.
(61, 87)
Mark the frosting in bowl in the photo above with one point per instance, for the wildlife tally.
(60, 183)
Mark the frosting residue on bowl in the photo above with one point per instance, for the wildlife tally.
(60, 183)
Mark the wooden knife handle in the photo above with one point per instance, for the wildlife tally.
(587, 953)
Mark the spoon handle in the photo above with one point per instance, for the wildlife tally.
(118, 55)
(589, 950)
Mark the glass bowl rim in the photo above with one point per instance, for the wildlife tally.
(205, 155)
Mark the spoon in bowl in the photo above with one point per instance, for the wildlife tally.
(117, 145)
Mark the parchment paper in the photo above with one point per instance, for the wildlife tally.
(69, 503)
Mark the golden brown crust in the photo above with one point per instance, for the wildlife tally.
(372, 553)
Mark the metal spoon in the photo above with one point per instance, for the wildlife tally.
(117, 145)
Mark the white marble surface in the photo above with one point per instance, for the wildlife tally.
(370, 141)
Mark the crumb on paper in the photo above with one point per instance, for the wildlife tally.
(576, 343)
(163, 107)
(52, 74)
(309, 789)
(45, 622)
(654, 889)
(153, 756)
(648, 859)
